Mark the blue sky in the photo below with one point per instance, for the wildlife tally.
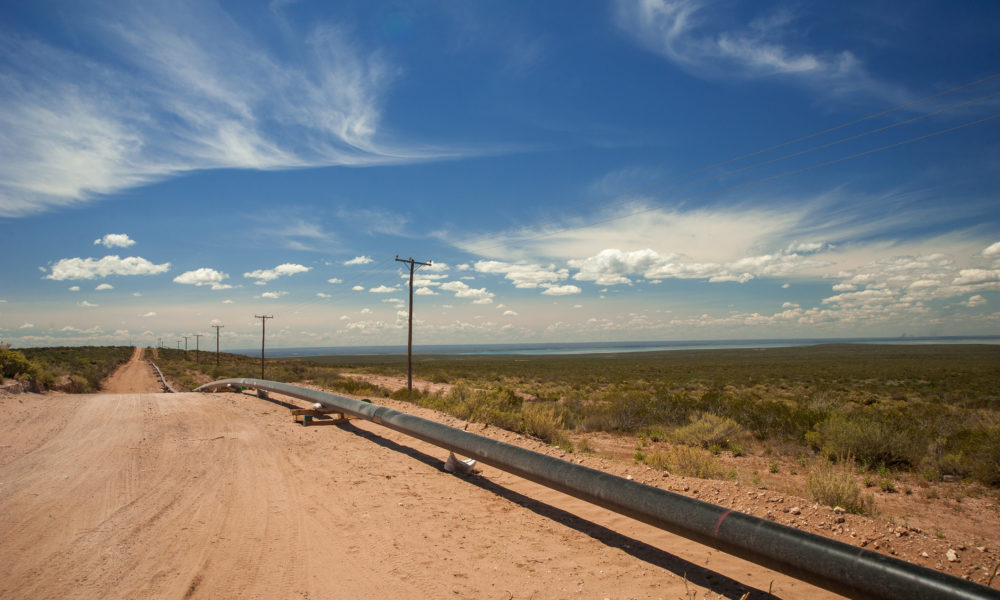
(575, 171)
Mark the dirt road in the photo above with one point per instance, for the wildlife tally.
(222, 496)
(135, 376)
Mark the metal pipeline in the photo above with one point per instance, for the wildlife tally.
(827, 563)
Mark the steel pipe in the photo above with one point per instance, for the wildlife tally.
(827, 563)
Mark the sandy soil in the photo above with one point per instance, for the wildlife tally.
(135, 376)
(221, 496)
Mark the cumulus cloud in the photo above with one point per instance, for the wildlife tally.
(974, 301)
(115, 240)
(525, 276)
(462, 290)
(322, 295)
(85, 304)
(383, 289)
(992, 250)
(358, 288)
(148, 314)
(561, 290)
(509, 313)
(104, 286)
(263, 275)
(204, 276)
(334, 280)
(273, 295)
(359, 260)
(424, 291)
(74, 288)
(89, 268)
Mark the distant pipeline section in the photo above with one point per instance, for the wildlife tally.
(163, 380)
(836, 566)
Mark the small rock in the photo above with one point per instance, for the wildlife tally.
(838, 510)
(951, 555)
(795, 510)
(981, 548)
(925, 555)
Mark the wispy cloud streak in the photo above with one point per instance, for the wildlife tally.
(181, 87)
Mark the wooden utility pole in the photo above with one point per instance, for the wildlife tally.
(185, 346)
(197, 347)
(263, 329)
(409, 337)
(217, 327)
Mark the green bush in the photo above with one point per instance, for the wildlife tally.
(14, 364)
(872, 437)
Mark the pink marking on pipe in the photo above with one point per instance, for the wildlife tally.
(719, 524)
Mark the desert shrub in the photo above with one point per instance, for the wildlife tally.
(835, 486)
(870, 437)
(544, 423)
(686, 461)
(973, 453)
(709, 430)
(13, 364)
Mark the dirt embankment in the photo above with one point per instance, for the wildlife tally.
(222, 496)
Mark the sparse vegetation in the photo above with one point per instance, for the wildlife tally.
(68, 369)
(932, 410)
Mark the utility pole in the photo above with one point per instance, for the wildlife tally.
(197, 347)
(217, 327)
(178, 345)
(263, 329)
(185, 346)
(409, 337)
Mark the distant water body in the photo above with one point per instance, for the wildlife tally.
(603, 347)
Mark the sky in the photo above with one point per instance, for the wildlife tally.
(570, 171)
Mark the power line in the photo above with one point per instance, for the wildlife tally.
(217, 328)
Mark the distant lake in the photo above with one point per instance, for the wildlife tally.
(539, 349)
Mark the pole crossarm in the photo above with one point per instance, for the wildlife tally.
(824, 562)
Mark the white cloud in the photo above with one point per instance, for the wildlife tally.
(115, 240)
(204, 276)
(263, 275)
(358, 288)
(992, 250)
(175, 88)
(561, 290)
(692, 35)
(509, 313)
(322, 295)
(383, 289)
(89, 268)
(525, 276)
(973, 276)
(366, 311)
(334, 280)
(104, 286)
(359, 260)
(423, 291)
(273, 295)
(974, 301)
(462, 290)
(149, 314)
(85, 304)
(26, 326)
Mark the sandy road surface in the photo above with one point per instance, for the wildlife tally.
(222, 496)
(134, 376)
